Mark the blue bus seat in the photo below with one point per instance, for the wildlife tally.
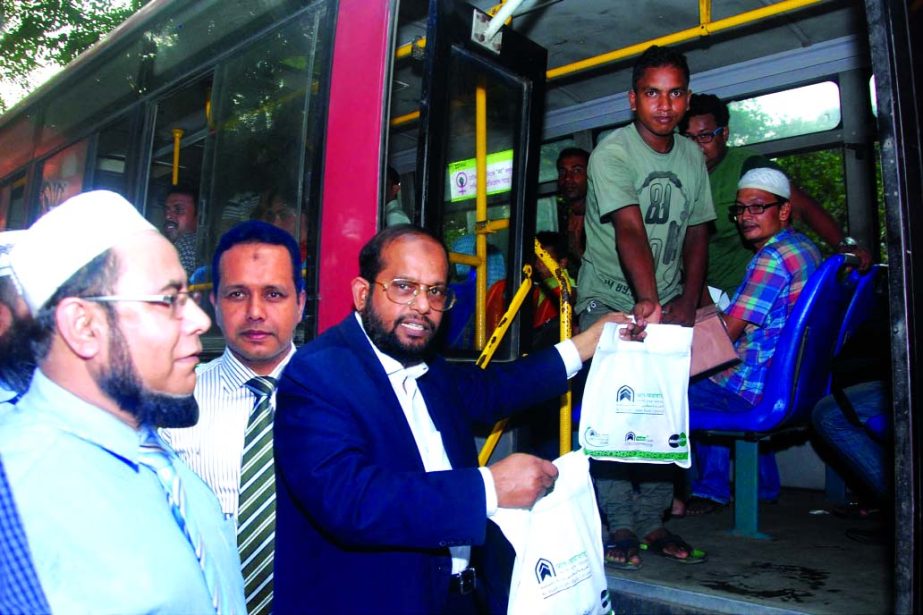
(797, 379)
(459, 321)
(864, 306)
(879, 426)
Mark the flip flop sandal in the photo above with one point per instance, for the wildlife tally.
(626, 544)
(696, 556)
(697, 506)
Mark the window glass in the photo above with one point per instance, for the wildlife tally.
(181, 120)
(62, 176)
(265, 138)
(799, 111)
(546, 216)
(548, 169)
(873, 96)
(16, 144)
(13, 214)
(84, 101)
(111, 157)
(820, 174)
(195, 30)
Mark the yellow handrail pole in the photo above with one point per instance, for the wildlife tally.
(405, 119)
(704, 28)
(177, 138)
(480, 238)
(487, 354)
(458, 258)
(565, 421)
(704, 12)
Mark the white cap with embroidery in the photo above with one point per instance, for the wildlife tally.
(68, 237)
(769, 180)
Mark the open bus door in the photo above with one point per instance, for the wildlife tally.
(477, 161)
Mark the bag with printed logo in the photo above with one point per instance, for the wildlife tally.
(636, 405)
(559, 557)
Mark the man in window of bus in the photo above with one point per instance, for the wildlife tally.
(380, 500)
(117, 343)
(706, 123)
(394, 214)
(180, 224)
(755, 319)
(648, 208)
(259, 299)
(572, 186)
(280, 211)
(16, 359)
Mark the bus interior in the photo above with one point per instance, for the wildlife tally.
(302, 105)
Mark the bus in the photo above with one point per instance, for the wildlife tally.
(296, 109)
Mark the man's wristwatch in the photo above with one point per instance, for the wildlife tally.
(846, 244)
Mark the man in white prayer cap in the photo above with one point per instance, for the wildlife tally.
(16, 364)
(755, 319)
(116, 523)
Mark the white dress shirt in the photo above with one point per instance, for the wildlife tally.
(213, 448)
(429, 440)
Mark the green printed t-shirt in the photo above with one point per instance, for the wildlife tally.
(728, 256)
(673, 193)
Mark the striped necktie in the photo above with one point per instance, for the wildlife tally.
(256, 516)
(159, 459)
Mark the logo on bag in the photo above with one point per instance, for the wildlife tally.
(543, 570)
(632, 438)
(594, 438)
(604, 601)
(625, 393)
(678, 440)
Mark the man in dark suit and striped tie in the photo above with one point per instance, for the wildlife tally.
(259, 299)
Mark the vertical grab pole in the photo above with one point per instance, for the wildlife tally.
(480, 238)
(177, 137)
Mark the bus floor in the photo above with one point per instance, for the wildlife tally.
(814, 562)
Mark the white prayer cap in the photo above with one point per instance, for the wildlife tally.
(7, 241)
(68, 237)
(769, 180)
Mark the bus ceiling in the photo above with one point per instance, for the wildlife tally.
(705, 28)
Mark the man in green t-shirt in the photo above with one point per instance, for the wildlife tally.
(647, 211)
(706, 123)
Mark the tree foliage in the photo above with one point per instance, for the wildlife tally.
(39, 33)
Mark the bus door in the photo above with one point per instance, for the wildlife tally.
(477, 163)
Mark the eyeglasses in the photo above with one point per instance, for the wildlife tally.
(705, 137)
(403, 292)
(754, 210)
(176, 302)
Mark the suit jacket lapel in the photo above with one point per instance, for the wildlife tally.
(380, 397)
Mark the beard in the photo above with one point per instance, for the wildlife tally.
(17, 360)
(123, 385)
(388, 341)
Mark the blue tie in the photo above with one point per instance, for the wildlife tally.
(159, 459)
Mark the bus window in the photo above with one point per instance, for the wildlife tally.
(264, 101)
(789, 113)
(112, 148)
(13, 214)
(181, 120)
(546, 215)
(62, 176)
(820, 174)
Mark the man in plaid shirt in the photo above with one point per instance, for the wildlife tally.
(755, 318)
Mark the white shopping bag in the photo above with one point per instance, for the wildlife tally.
(635, 405)
(559, 557)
